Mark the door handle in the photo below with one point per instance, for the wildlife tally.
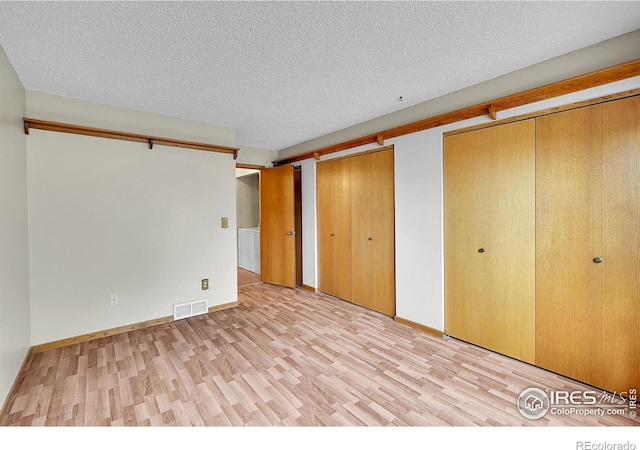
(290, 233)
(597, 260)
(481, 250)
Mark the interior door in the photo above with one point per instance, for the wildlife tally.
(277, 226)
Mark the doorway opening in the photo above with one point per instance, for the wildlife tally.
(272, 245)
(248, 225)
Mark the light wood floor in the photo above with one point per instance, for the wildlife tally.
(283, 357)
(246, 277)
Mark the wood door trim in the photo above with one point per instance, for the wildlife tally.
(355, 155)
(567, 86)
(37, 124)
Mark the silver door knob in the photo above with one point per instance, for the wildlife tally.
(481, 250)
(290, 233)
(597, 260)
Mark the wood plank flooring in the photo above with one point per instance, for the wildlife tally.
(283, 357)
(246, 277)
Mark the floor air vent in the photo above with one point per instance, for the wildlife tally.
(190, 309)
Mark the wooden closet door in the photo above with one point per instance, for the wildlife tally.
(489, 187)
(568, 236)
(334, 227)
(373, 231)
(621, 245)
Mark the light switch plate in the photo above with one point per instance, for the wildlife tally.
(225, 222)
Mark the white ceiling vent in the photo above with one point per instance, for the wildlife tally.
(190, 309)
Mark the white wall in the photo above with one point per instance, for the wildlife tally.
(419, 244)
(256, 156)
(14, 250)
(78, 112)
(309, 223)
(113, 217)
(419, 209)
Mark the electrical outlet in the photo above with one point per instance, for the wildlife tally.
(113, 299)
(205, 284)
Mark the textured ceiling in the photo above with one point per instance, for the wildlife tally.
(286, 72)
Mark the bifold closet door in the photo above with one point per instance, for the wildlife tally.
(373, 231)
(489, 187)
(568, 243)
(588, 256)
(620, 359)
(334, 227)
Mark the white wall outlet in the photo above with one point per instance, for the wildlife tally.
(113, 299)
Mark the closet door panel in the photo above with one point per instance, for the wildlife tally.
(361, 248)
(568, 238)
(334, 227)
(621, 245)
(373, 231)
(383, 233)
(465, 268)
(489, 238)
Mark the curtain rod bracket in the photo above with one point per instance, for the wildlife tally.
(150, 144)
